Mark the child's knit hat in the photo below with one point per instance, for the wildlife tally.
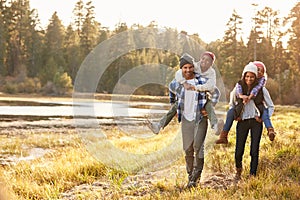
(260, 64)
(210, 54)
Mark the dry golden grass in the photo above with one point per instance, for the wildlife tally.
(69, 164)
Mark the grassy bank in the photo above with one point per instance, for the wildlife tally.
(67, 164)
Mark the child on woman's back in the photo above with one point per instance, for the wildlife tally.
(233, 113)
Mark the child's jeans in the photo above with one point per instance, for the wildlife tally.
(229, 120)
(165, 120)
(211, 113)
(266, 118)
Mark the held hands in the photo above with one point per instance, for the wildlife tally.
(188, 86)
(258, 119)
(245, 98)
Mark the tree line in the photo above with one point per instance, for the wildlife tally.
(38, 60)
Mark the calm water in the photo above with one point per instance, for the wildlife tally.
(56, 113)
(98, 109)
(76, 109)
(89, 114)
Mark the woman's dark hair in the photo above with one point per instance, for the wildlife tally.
(242, 82)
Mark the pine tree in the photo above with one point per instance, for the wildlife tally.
(3, 39)
(90, 30)
(230, 49)
(72, 52)
(79, 15)
(53, 52)
(294, 42)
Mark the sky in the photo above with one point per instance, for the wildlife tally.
(207, 18)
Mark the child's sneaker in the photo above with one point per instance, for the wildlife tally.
(217, 128)
(154, 126)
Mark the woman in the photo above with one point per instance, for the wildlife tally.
(268, 107)
(248, 122)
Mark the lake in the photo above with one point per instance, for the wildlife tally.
(40, 112)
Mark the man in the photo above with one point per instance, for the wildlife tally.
(193, 123)
(205, 69)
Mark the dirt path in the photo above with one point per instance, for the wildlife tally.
(145, 184)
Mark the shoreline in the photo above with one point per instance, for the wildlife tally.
(96, 96)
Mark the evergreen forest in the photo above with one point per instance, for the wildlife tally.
(35, 60)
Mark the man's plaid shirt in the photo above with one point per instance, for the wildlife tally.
(178, 90)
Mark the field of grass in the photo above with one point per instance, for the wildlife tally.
(68, 165)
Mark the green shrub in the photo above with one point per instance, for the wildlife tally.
(10, 88)
(63, 83)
